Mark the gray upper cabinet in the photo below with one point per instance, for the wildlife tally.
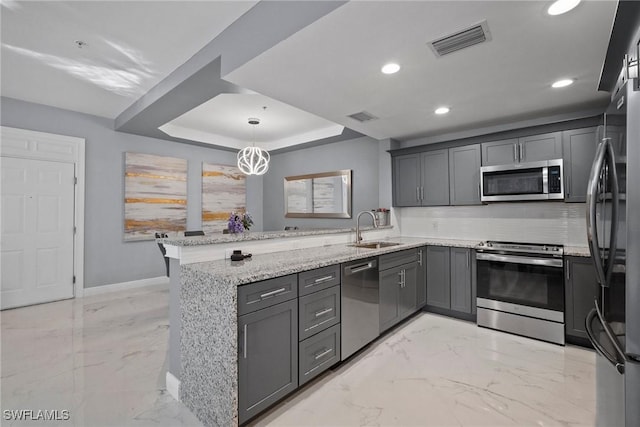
(435, 178)
(406, 180)
(421, 179)
(438, 277)
(579, 148)
(580, 292)
(502, 152)
(267, 357)
(534, 148)
(464, 175)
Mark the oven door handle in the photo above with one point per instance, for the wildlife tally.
(515, 259)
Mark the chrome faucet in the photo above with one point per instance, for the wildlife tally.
(375, 224)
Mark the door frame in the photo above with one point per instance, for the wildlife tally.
(28, 144)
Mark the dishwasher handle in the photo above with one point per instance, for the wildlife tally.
(359, 267)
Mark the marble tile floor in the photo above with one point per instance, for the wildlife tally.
(103, 358)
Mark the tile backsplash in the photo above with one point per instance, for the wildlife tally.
(530, 222)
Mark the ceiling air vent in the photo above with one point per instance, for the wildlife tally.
(475, 34)
(362, 116)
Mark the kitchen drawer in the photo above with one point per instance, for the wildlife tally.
(259, 295)
(318, 279)
(319, 353)
(396, 259)
(318, 311)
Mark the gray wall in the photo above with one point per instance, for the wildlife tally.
(108, 259)
(360, 155)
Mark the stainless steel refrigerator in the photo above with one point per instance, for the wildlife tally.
(613, 325)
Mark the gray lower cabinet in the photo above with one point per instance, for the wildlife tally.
(267, 357)
(580, 291)
(464, 175)
(438, 277)
(451, 283)
(461, 280)
(398, 287)
(318, 311)
(421, 281)
(319, 353)
(579, 148)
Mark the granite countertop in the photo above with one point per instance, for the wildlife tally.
(267, 266)
(213, 239)
(577, 251)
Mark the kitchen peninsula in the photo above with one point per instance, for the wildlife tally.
(206, 308)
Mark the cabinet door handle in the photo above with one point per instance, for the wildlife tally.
(468, 257)
(273, 293)
(417, 193)
(323, 279)
(521, 156)
(244, 341)
(323, 312)
(421, 194)
(515, 152)
(321, 355)
(400, 275)
(420, 257)
(568, 185)
(568, 267)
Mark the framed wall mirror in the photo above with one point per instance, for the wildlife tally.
(318, 195)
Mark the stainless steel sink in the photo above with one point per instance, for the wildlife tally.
(375, 245)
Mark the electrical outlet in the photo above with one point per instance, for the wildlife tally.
(227, 253)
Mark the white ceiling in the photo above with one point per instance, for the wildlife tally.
(331, 68)
(131, 46)
(224, 120)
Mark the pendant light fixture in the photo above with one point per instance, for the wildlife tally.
(253, 160)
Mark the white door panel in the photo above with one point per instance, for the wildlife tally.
(37, 231)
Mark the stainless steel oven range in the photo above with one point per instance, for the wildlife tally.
(521, 289)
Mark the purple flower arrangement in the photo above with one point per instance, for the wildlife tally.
(239, 222)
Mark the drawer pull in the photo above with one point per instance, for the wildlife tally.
(321, 355)
(323, 312)
(273, 293)
(322, 280)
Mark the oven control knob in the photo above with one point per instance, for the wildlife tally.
(489, 244)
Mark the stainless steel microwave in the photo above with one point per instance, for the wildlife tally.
(522, 181)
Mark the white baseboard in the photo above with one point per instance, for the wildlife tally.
(115, 287)
(173, 386)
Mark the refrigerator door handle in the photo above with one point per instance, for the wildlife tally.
(615, 203)
(592, 197)
(598, 347)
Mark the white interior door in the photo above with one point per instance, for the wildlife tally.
(37, 231)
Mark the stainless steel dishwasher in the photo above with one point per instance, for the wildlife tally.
(360, 295)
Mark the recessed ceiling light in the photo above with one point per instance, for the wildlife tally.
(562, 6)
(562, 83)
(442, 110)
(390, 68)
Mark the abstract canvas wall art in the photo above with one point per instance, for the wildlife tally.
(223, 192)
(155, 195)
